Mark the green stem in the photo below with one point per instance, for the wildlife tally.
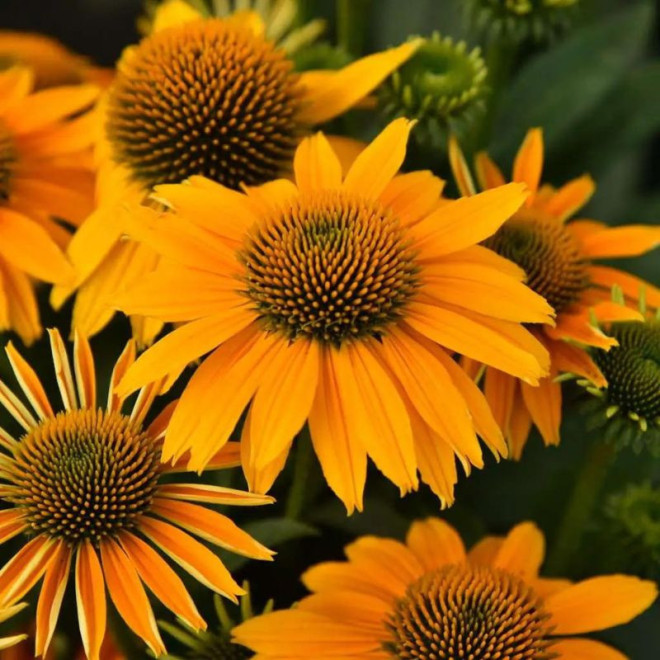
(352, 24)
(581, 504)
(301, 468)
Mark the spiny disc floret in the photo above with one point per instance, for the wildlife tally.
(548, 253)
(632, 369)
(84, 474)
(207, 98)
(471, 613)
(331, 266)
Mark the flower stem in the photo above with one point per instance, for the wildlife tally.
(301, 468)
(352, 21)
(587, 488)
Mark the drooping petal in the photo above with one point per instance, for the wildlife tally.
(435, 543)
(460, 169)
(544, 405)
(412, 196)
(192, 556)
(211, 526)
(632, 286)
(628, 241)
(25, 569)
(343, 459)
(212, 494)
(128, 595)
(599, 603)
(488, 173)
(585, 649)
(570, 197)
(572, 359)
(166, 585)
(63, 372)
(330, 93)
(29, 382)
(50, 597)
(90, 600)
(83, 364)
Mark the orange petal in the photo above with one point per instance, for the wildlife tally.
(628, 241)
(128, 595)
(29, 382)
(211, 526)
(376, 166)
(50, 597)
(15, 407)
(608, 310)
(577, 327)
(460, 168)
(11, 524)
(599, 603)
(572, 359)
(412, 196)
(83, 364)
(544, 405)
(330, 93)
(522, 551)
(192, 556)
(343, 460)
(25, 569)
(485, 551)
(315, 165)
(435, 543)
(63, 373)
(528, 164)
(162, 580)
(520, 425)
(632, 286)
(90, 599)
(228, 456)
(570, 197)
(212, 494)
(362, 610)
(488, 173)
(585, 649)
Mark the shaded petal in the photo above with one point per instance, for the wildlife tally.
(412, 196)
(63, 372)
(25, 569)
(570, 197)
(522, 551)
(573, 359)
(528, 164)
(585, 649)
(460, 169)
(343, 459)
(83, 365)
(29, 382)
(212, 494)
(628, 241)
(544, 405)
(485, 551)
(90, 599)
(488, 173)
(632, 286)
(362, 610)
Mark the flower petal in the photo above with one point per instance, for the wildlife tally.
(316, 165)
(528, 164)
(544, 405)
(90, 599)
(585, 649)
(435, 543)
(522, 551)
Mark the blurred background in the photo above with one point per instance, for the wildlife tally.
(593, 84)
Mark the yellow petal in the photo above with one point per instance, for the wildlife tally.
(570, 197)
(599, 603)
(544, 405)
(522, 551)
(328, 94)
(528, 164)
(460, 168)
(628, 241)
(489, 174)
(435, 543)
(315, 165)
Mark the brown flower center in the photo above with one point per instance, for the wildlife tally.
(471, 613)
(547, 252)
(331, 266)
(205, 98)
(84, 474)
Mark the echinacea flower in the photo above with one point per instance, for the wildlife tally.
(332, 300)
(43, 137)
(84, 487)
(559, 257)
(198, 96)
(429, 598)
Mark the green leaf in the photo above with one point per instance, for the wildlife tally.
(272, 532)
(566, 85)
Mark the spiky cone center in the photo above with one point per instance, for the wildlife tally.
(207, 98)
(632, 370)
(84, 474)
(7, 161)
(441, 80)
(548, 253)
(331, 266)
(472, 613)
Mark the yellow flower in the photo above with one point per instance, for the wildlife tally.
(84, 487)
(429, 598)
(558, 255)
(42, 176)
(52, 63)
(332, 300)
(213, 97)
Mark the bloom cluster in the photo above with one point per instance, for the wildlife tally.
(253, 293)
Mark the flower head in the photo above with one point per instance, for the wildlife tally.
(443, 84)
(429, 598)
(211, 96)
(335, 299)
(86, 488)
(43, 141)
(559, 256)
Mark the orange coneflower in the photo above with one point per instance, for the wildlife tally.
(84, 487)
(429, 598)
(332, 299)
(43, 136)
(558, 256)
(198, 96)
